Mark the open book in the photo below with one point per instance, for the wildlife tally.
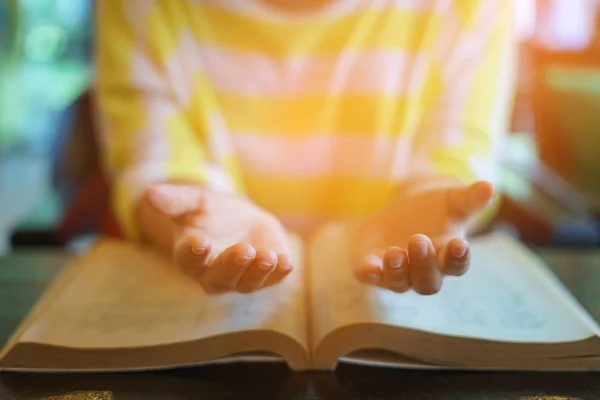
(120, 307)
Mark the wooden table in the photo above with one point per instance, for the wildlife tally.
(23, 276)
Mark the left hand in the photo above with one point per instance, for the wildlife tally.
(419, 237)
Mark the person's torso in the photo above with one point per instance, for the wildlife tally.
(319, 110)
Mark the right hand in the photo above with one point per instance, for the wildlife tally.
(223, 241)
(420, 237)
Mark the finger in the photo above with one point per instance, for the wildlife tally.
(425, 275)
(225, 271)
(257, 273)
(284, 267)
(395, 270)
(369, 269)
(191, 253)
(455, 257)
(464, 202)
(174, 200)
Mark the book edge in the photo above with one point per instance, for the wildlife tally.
(67, 273)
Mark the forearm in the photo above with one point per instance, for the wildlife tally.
(145, 137)
(460, 140)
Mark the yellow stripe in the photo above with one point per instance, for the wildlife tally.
(163, 26)
(481, 101)
(233, 168)
(122, 105)
(330, 196)
(202, 104)
(301, 116)
(184, 146)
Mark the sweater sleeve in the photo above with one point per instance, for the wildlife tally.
(462, 137)
(146, 137)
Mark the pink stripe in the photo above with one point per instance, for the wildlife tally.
(370, 73)
(374, 73)
(378, 158)
(405, 5)
(136, 11)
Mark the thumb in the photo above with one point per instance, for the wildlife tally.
(465, 202)
(175, 200)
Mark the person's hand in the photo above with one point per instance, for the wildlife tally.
(419, 238)
(223, 241)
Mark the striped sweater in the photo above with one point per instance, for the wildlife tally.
(311, 115)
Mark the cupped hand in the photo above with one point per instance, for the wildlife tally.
(225, 242)
(419, 238)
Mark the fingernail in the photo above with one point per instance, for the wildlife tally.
(372, 259)
(264, 265)
(284, 263)
(284, 266)
(397, 263)
(242, 260)
(419, 249)
(458, 251)
(198, 250)
(401, 287)
(374, 278)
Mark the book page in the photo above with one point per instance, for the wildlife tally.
(506, 296)
(126, 296)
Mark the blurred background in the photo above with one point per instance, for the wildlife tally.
(45, 67)
(50, 185)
